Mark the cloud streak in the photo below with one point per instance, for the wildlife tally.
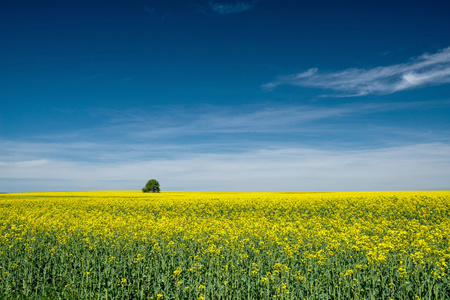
(230, 8)
(426, 70)
(245, 119)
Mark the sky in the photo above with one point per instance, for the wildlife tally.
(268, 95)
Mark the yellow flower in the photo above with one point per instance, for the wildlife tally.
(177, 272)
(401, 272)
(348, 273)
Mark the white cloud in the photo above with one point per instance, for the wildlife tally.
(426, 70)
(230, 8)
(412, 167)
(203, 149)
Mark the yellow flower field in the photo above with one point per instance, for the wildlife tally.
(202, 245)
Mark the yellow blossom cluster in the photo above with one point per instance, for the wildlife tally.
(207, 245)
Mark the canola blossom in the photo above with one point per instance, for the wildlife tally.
(205, 245)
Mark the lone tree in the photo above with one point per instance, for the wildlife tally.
(151, 186)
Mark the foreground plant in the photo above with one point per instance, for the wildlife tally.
(175, 245)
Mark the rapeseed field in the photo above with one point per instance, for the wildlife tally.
(201, 245)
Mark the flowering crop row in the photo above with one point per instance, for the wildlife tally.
(201, 245)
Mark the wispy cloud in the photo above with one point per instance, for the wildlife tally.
(218, 129)
(426, 70)
(230, 8)
(268, 118)
(412, 167)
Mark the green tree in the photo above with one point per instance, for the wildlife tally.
(151, 186)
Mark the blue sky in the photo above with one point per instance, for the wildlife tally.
(224, 95)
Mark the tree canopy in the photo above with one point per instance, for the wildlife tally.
(151, 186)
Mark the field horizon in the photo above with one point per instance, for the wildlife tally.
(231, 192)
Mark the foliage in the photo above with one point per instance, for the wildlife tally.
(186, 245)
(151, 186)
